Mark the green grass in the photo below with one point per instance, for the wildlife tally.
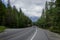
(56, 30)
(2, 28)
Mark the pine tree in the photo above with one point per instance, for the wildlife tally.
(2, 13)
(12, 18)
(9, 15)
(58, 13)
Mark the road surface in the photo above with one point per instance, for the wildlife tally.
(32, 33)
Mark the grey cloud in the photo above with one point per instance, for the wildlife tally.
(30, 7)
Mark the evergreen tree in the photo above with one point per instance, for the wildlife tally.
(52, 13)
(12, 18)
(8, 14)
(2, 13)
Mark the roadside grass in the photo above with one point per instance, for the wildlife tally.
(52, 29)
(55, 30)
(2, 28)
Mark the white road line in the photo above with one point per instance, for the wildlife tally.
(34, 34)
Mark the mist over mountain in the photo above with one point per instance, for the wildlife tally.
(34, 18)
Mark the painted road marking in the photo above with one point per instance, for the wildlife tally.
(34, 34)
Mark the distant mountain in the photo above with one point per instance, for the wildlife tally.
(34, 18)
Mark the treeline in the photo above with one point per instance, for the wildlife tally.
(50, 18)
(12, 18)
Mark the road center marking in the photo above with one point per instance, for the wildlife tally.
(34, 34)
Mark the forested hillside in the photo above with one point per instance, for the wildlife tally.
(50, 18)
(12, 18)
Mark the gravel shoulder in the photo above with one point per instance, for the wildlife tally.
(52, 36)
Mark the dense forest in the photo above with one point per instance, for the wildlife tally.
(50, 18)
(12, 18)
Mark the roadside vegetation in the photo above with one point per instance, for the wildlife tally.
(50, 18)
(10, 17)
(2, 28)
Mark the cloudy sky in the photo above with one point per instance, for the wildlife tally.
(31, 8)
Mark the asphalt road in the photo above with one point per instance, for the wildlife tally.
(32, 33)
